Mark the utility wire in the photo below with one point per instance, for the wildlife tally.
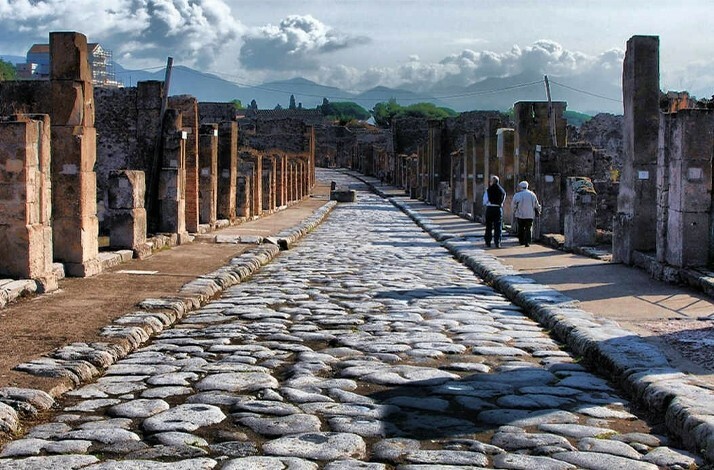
(586, 92)
(215, 76)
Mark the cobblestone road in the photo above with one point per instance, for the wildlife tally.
(366, 346)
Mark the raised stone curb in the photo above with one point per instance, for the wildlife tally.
(79, 363)
(641, 369)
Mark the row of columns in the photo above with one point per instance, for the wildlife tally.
(48, 187)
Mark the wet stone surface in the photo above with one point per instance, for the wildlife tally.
(364, 346)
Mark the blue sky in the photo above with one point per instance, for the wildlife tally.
(358, 44)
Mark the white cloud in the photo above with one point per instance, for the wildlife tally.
(294, 44)
(194, 32)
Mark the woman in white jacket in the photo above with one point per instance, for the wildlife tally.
(525, 208)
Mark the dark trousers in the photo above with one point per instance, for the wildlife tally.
(524, 231)
(494, 215)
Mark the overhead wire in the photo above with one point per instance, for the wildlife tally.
(216, 76)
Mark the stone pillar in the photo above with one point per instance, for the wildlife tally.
(251, 165)
(75, 227)
(635, 224)
(550, 197)
(126, 208)
(188, 107)
(268, 182)
(281, 186)
(477, 181)
(243, 191)
(533, 128)
(227, 170)
(25, 200)
(581, 212)
(505, 141)
(172, 177)
(435, 168)
(688, 141)
(208, 179)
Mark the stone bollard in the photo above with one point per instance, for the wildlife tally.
(580, 215)
(128, 215)
(343, 195)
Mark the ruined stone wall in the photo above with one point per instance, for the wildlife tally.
(604, 131)
(409, 134)
(335, 146)
(216, 112)
(116, 122)
(289, 135)
(22, 97)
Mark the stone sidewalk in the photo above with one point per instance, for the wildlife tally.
(607, 313)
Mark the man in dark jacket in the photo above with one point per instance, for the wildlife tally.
(493, 201)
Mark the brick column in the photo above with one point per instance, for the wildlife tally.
(243, 192)
(268, 182)
(635, 224)
(128, 215)
(172, 177)
(251, 165)
(75, 227)
(208, 179)
(188, 107)
(227, 170)
(25, 200)
(281, 198)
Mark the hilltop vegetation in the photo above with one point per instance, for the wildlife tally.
(384, 112)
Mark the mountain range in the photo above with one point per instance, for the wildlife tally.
(495, 93)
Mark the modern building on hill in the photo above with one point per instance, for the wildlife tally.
(37, 65)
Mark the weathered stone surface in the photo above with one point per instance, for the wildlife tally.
(282, 425)
(269, 463)
(237, 382)
(184, 418)
(318, 446)
(141, 408)
(69, 462)
(598, 461)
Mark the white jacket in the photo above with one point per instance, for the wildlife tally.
(524, 204)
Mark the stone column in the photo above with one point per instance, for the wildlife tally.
(227, 170)
(25, 200)
(75, 227)
(188, 107)
(208, 178)
(251, 165)
(635, 224)
(580, 217)
(126, 208)
(172, 178)
(243, 191)
(281, 186)
(268, 182)
(505, 141)
(688, 140)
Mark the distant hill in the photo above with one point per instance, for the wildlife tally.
(13, 59)
(496, 93)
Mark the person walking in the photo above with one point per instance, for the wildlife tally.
(525, 208)
(493, 201)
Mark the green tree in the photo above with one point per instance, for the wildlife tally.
(238, 104)
(7, 71)
(384, 112)
(344, 111)
(292, 102)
